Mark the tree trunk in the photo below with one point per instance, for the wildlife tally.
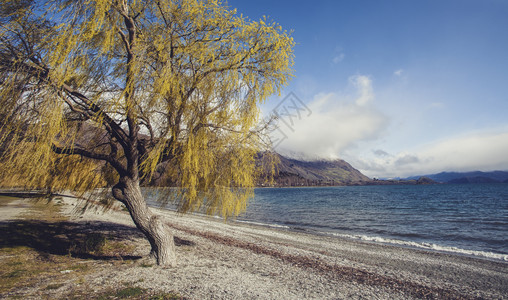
(156, 231)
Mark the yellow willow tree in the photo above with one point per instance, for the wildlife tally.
(115, 92)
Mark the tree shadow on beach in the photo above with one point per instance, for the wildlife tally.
(85, 240)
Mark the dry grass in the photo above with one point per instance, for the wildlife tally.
(44, 252)
(28, 257)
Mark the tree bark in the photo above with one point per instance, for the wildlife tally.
(151, 225)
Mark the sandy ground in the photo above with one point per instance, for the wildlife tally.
(241, 261)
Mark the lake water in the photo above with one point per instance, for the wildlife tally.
(469, 219)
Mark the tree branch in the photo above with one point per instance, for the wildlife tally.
(89, 154)
(111, 125)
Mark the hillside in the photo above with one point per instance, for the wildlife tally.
(293, 172)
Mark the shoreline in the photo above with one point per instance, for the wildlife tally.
(379, 240)
(244, 261)
(316, 242)
(319, 250)
(424, 246)
(376, 240)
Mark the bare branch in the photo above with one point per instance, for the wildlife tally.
(89, 154)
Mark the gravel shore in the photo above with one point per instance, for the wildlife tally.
(218, 260)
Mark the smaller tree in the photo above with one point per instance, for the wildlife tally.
(118, 93)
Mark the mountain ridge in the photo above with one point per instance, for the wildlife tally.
(290, 171)
(294, 172)
(467, 177)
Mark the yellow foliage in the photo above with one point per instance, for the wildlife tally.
(136, 85)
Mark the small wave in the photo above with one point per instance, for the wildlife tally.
(263, 224)
(423, 245)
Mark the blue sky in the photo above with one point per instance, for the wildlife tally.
(396, 88)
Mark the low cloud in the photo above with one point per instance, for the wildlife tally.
(483, 151)
(380, 152)
(334, 123)
(406, 160)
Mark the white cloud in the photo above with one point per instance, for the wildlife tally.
(335, 123)
(398, 72)
(364, 87)
(483, 151)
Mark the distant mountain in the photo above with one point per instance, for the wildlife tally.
(293, 172)
(468, 177)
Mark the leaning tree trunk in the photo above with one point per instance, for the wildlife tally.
(156, 231)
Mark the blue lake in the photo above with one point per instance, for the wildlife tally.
(470, 219)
